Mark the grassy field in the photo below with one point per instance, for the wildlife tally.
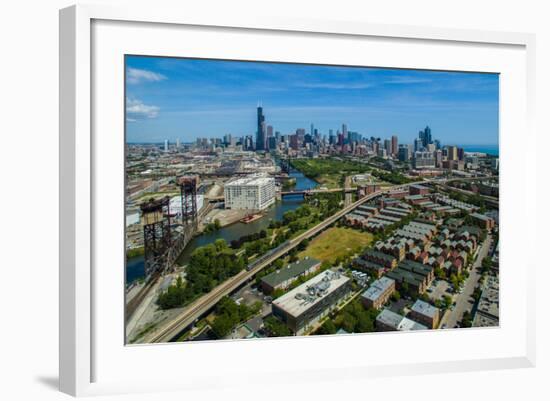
(330, 180)
(336, 242)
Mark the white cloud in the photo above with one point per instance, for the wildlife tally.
(137, 110)
(407, 80)
(136, 76)
(330, 85)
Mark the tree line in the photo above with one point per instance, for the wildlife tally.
(208, 266)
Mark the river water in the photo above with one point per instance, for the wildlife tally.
(135, 266)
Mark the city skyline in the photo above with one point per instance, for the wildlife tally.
(173, 98)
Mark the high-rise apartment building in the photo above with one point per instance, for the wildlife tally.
(452, 153)
(404, 153)
(424, 160)
(394, 145)
(388, 147)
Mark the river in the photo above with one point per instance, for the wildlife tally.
(135, 266)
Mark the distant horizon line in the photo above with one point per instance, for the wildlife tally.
(185, 143)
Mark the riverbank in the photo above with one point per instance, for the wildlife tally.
(231, 228)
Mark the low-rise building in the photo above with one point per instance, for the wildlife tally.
(381, 258)
(306, 304)
(378, 293)
(391, 321)
(425, 313)
(483, 221)
(282, 278)
(487, 313)
(417, 189)
(415, 277)
(373, 268)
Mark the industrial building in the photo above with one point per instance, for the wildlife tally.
(306, 304)
(254, 192)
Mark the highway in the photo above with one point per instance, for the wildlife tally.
(194, 311)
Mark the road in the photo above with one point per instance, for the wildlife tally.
(465, 301)
(348, 197)
(195, 310)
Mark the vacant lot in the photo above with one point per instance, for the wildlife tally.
(336, 242)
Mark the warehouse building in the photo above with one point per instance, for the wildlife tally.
(306, 304)
(254, 192)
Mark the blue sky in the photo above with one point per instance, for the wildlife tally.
(169, 98)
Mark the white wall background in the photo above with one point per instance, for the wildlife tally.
(29, 199)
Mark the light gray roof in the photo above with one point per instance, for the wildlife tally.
(289, 271)
(398, 322)
(424, 308)
(377, 288)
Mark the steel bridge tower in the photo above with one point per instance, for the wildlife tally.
(157, 238)
(188, 191)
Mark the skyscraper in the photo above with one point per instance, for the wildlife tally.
(404, 153)
(394, 147)
(452, 153)
(418, 146)
(260, 129)
(388, 146)
(166, 145)
(426, 136)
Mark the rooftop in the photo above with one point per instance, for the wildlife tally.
(306, 295)
(398, 322)
(424, 308)
(378, 288)
(289, 271)
(250, 180)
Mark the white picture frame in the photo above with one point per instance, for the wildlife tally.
(83, 352)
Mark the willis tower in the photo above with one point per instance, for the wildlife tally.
(260, 132)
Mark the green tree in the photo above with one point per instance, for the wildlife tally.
(327, 328)
(395, 296)
(276, 328)
(447, 301)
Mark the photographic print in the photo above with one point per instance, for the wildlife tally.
(271, 199)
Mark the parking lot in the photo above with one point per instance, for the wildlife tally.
(249, 296)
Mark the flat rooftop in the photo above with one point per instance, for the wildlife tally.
(398, 322)
(290, 271)
(424, 308)
(251, 180)
(378, 288)
(308, 294)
